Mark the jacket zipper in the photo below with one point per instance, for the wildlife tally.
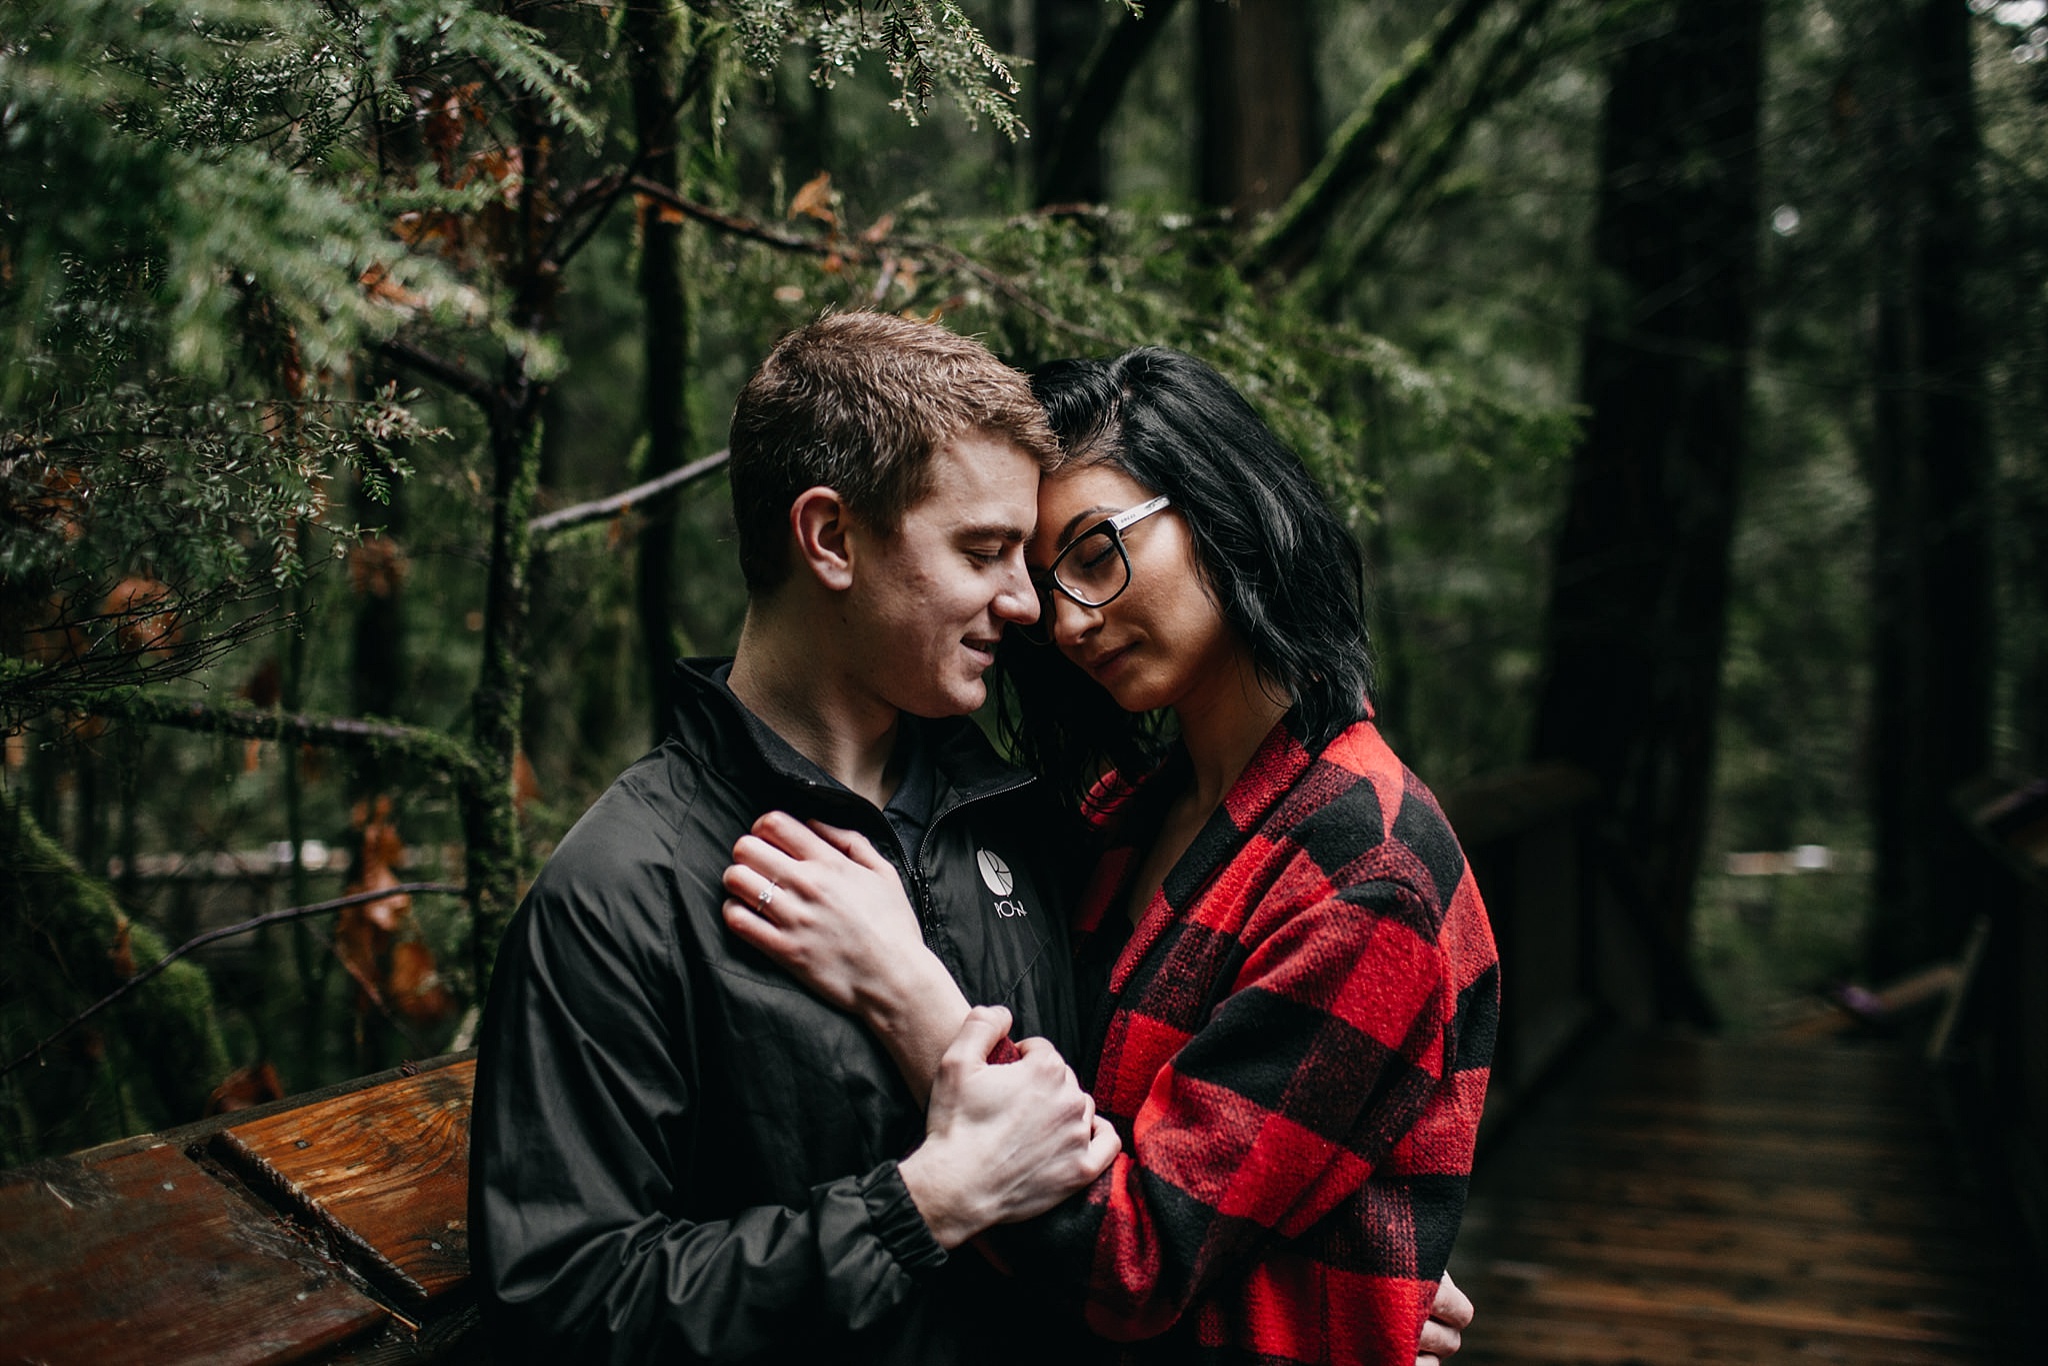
(925, 909)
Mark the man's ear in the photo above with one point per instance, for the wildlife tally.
(821, 520)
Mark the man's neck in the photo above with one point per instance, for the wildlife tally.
(778, 672)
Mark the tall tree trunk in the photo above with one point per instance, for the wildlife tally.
(1638, 608)
(1256, 61)
(490, 816)
(1930, 469)
(653, 58)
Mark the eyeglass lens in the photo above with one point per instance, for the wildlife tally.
(1093, 568)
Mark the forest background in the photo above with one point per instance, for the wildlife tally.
(1680, 364)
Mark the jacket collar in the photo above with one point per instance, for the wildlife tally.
(708, 721)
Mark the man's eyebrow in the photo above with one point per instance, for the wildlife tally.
(997, 531)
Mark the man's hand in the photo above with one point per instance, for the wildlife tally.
(1003, 1141)
(1449, 1317)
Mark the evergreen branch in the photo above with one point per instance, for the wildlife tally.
(1010, 290)
(851, 249)
(1096, 95)
(417, 743)
(640, 495)
(456, 376)
(1354, 154)
(224, 932)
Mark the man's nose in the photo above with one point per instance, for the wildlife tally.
(1018, 600)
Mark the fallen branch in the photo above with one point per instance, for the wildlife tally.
(640, 495)
(224, 932)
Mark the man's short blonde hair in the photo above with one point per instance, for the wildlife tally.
(859, 403)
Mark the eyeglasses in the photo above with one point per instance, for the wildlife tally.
(1092, 570)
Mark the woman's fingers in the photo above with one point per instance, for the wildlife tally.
(750, 926)
(854, 845)
(756, 877)
(791, 836)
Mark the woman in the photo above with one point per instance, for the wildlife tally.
(1289, 984)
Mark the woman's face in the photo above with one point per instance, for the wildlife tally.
(1163, 641)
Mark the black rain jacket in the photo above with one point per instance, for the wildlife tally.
(678, 1154)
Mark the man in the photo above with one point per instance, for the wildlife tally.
(678, 1154)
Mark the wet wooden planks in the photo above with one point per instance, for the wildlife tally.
(390, 1180)
(144, 1257)
(1702, 1201)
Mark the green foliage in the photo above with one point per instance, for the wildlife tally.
(928, 46)
(191, 264)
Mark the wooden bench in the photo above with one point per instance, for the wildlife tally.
(324, 1228)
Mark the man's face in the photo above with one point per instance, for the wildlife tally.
(929, 601)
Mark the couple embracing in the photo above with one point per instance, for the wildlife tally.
(828, 1036)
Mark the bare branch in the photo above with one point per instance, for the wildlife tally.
(650, 493)
(456, 376)
(735, 226)
(224, 932)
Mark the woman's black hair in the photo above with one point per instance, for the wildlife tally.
(1282, 567)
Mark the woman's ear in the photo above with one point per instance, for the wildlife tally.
(820, 519)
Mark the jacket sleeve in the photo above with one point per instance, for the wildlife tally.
(581, 1146)
(1321, 1057)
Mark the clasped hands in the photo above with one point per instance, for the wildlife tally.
(1002, 1142)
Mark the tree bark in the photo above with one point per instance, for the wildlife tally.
(1082, 71)
(1930, 470)
(1256, 61)
(1638, 607)
(653, 60)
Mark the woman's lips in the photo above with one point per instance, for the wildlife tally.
(1099, 666)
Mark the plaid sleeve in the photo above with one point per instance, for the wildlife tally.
(1322, 1057)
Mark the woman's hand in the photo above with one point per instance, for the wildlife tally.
(825, 906)
(1449, 1317)
(822, 903)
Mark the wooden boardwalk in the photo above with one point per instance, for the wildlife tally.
(1687, 1201)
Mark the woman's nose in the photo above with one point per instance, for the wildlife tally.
(1071, 621)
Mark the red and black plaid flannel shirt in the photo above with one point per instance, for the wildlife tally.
(1295, 1051)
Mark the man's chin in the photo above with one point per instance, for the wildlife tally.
(956, 701)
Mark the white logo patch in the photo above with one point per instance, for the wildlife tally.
(995, 873)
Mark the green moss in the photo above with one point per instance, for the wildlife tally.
(149, 1060)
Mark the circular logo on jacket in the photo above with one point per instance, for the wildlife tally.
(994, 872)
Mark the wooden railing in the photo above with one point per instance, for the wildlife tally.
(333, 1226)
(334, 1222)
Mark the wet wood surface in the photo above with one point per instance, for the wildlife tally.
(387, 1175)
(145, 1257)
(1697, 1201)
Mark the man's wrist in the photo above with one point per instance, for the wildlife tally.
(948, 1207)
